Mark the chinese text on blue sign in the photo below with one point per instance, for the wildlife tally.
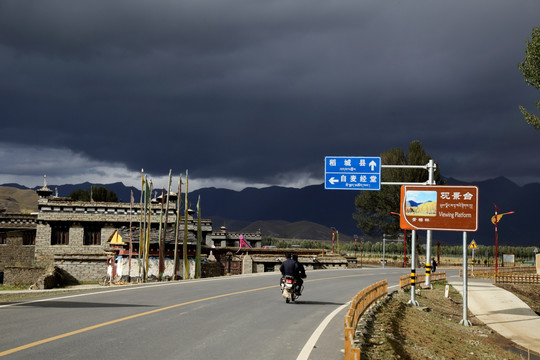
(352, 173)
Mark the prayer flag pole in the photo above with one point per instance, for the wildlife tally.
(199, 235)
(178, 202)
(185, 247)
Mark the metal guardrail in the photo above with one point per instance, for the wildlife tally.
(359, 304)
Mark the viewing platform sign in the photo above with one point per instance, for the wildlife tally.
(352, 173)
(439, 207)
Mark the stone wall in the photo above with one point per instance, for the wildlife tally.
(18, 275)
(14, 253)
(247, 265)
(84, 268)
(211, 269)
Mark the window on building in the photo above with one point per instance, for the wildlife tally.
(269, 267)
(60, 235)
(231, 243)
(3, 238)
(92, 235)
(29, 238)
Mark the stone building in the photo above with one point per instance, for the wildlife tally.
(89, 240)
(17, 241)
(224, 238)
(75, 236)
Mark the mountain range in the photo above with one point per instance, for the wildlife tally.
(310, 212)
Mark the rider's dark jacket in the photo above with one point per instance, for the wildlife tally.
(289, 267)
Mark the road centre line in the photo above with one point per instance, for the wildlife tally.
(71, 333)
(107, 323)
(143, 286)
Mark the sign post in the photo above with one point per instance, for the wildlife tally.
(352, 173)
(439, 207)
(464, 321)
(413, 270)
(447, 208)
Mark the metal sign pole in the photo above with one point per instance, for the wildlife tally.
(431, 181)
(465, 321)
(413, 270)
(428, 258)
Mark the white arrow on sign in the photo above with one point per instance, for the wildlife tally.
(372, 165)
(333, 180)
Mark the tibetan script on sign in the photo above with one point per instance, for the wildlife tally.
(451, 208)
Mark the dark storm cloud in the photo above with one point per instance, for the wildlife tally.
(255, 90)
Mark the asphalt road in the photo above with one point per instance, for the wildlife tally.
(238, 317)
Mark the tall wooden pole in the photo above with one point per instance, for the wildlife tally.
(164, 237)
(131, 203)
(178, 202)
(148, 226)
(141, 231)
(161, 265)
(199, 240)
(185, 247)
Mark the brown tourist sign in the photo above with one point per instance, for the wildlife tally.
(439, 207)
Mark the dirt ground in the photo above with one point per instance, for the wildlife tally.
(432, 330)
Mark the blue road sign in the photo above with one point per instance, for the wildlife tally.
(352, 173)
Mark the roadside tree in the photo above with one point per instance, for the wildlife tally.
(530, 67)
(374, 208)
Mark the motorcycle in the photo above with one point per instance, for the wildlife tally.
(289, 289)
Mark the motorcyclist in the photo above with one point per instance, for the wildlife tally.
(301, 274)
(289, 267)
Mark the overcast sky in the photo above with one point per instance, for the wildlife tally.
(255, 93)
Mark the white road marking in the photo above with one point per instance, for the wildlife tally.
(306, 351)
(310, 344)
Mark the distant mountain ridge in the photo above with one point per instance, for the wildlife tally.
(274, 208)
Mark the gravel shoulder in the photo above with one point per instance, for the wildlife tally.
(432, 330)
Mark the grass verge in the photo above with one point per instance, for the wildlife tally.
(431, 331)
